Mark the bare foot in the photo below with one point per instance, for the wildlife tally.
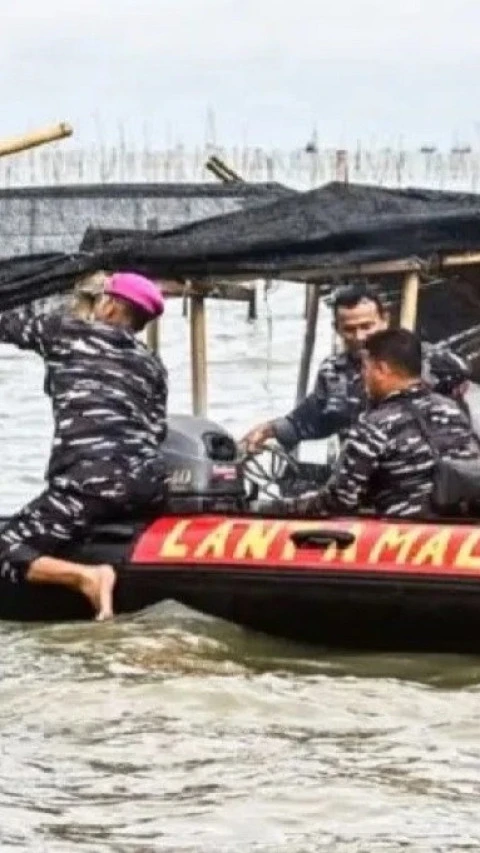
(108, 579)
(95, 582)
(98, 585)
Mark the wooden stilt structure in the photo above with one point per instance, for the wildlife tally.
(196, 294)
(308, 344)
(153, 335)
(309, 292)
(252, 304)
(409, 301)
(198, 348)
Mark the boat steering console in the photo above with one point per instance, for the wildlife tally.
(207, 473)
(267, 469)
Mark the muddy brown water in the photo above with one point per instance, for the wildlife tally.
(171, 731)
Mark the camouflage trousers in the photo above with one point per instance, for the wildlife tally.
(89, 492)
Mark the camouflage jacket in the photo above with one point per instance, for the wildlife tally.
(338, 397)
(386, 463)
(108, 391)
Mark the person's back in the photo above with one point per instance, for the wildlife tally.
(108, 391)
(403, 478)
(387, 464)
(109, 397)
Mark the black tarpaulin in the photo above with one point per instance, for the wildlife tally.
(26, 278)
(333, 226)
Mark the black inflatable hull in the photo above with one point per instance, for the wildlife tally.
(317, 598)
(366, 613)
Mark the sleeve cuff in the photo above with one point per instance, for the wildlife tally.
(285, 432)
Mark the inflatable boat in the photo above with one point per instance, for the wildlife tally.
(358, 582)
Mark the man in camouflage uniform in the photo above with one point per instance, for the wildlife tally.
(339, 396)
(109, 397)
(386, 463)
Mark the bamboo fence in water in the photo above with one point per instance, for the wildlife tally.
(455, 169)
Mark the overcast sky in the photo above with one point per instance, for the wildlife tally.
(375, 70)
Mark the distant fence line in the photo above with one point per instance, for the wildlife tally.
(457, 169)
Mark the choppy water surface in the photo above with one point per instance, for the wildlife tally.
(170, 731)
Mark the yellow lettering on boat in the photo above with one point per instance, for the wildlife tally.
(346, 555)
(214, 544)
(289, 549)
(171, 546)
(434, 550)
(465, 559)
(256, 540)
(395, 540)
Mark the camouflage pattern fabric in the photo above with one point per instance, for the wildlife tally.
(109, 397)
(338, 397)
(386, 464)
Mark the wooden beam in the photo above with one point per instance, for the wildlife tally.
(230, 291)
(153, 335)
(324, 275)
(208, 290)
(449, 262)
(252, 305)
(464, 260)
(309, 291)
(308, 344)
(198, 355)
(409, 301)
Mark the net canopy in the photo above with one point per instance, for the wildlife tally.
(291, 237)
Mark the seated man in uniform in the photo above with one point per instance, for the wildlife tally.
(109, 395)
(339, 396)
(386, 463)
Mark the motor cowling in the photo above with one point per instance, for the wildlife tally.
(203, 470)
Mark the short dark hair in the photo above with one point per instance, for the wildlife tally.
(398, 348)
(349, 296)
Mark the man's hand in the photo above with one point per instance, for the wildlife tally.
(257, 436)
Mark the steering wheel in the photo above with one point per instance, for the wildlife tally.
(264, 474)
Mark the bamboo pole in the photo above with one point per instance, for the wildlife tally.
(223, 172)
(308, 345)
(252, 304)
(153, 335)
(309, 292)
(31, 140)
(153, 331)
(312, 150)
(409, 301)
(333, 444)
(198, 354)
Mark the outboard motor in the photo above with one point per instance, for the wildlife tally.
(203, 468)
